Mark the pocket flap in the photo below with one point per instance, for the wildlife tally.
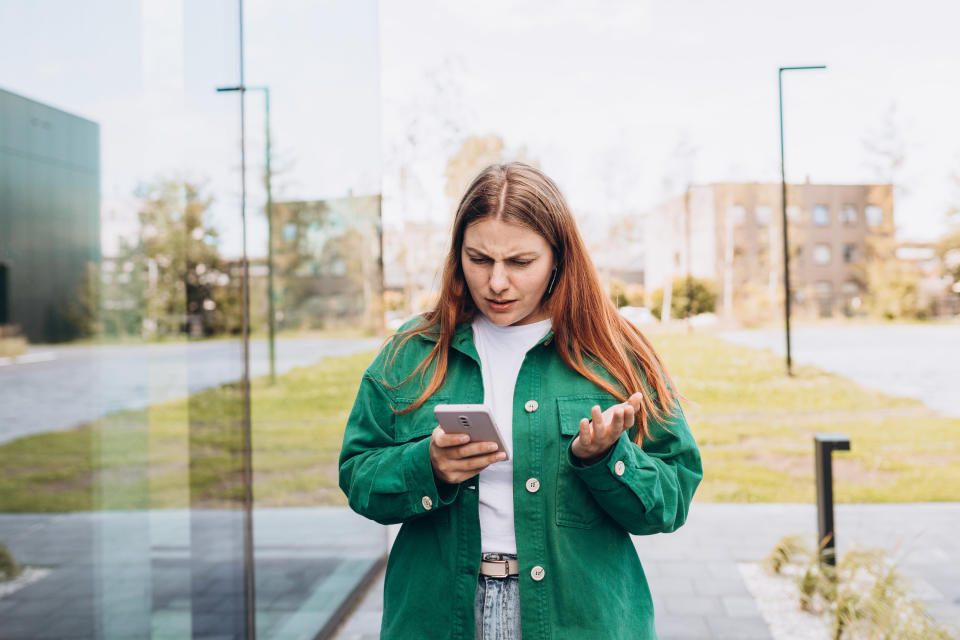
(418, 423)
(571, 409)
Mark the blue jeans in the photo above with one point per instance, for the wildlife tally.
(497, 605)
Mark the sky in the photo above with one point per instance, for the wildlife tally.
(601, 94)
(604, 93)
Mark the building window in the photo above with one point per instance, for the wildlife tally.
(289, 232)
(762, 214)
(823, 289)
(821, 215)
(849, 253)
(874, 215)
(738, 215)
(848, 214)
(821, 253)
(851, 288)
(794, 214)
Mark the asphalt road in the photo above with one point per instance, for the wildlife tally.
(915, 361)
(59, 387)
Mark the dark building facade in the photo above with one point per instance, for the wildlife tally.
(49, 216)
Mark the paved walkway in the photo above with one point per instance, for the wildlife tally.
(172, 574)
(698, 591)
(59, 387)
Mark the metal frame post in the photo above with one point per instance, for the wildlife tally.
(824, 444)
(783, 212)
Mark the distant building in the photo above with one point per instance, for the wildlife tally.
(328, 263)
(732, 233)
(617, 248)
(49, 216)
(934, 283)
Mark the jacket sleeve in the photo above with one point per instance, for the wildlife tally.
(385, 479)
(647, 490)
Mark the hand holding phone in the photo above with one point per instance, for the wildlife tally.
(466, 442)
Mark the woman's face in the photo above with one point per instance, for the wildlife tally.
(507, 268)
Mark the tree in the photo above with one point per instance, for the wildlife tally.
(623, 294)
(188, 284)
(886, 150)
(948, 247)
(702, 298)
(891, 289)
(475, 154)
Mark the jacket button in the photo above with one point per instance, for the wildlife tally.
(533, 485)
(531, 406)
(427, 503)
(537, 573)
(619, 468)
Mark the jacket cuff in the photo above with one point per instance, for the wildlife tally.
(621, 467)
(429, 493)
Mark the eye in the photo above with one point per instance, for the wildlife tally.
(520, 263)
(478, 260)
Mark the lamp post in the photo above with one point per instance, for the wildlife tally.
(783, 203)
(271, 314)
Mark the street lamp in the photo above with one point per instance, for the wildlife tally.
(270, 310)
(783, 203)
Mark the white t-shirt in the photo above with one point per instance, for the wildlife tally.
(501, 351)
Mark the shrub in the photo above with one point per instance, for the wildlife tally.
(9, 569)
(864, 596)
(702, 298)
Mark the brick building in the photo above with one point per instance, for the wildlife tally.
(731, 233)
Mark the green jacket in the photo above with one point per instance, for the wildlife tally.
(572, 530)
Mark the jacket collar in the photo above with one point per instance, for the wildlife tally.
(463, 338)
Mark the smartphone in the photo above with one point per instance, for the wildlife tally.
(475, 420)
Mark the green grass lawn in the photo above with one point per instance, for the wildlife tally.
(754, 426)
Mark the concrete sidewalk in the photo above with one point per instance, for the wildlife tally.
(179, 573)
(697, 589)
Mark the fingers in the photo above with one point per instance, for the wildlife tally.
(586, 432)
(458, 463)
(458, 445)
(443, 439)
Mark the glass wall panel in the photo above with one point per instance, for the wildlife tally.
(130, 246)
(313, 75)
(121, 409)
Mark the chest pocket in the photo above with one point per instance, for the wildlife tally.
(575, 504)
(418, 423)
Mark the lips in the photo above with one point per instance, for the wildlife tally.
(500, 305)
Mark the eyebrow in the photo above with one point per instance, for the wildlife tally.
(533, 253)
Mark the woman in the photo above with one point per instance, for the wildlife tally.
(538, 542)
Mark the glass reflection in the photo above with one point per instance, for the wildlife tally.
(122, 409)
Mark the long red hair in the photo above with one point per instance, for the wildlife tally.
(590, 334)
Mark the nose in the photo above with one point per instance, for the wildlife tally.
(498, 278)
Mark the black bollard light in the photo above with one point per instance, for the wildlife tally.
(824, 444)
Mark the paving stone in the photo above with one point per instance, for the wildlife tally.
(676, 569)
(740, 607)
(687, 626)
(729, 586)
(672, 586)
(724, 569)
(694, 605)
(739, 629)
